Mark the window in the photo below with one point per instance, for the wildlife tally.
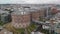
(10, 33)
(5, 32)
(23, 12)
(32, 32)
(58, 26)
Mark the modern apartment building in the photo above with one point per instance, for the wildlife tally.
(4, 15)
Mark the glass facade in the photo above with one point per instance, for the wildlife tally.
(4, 18)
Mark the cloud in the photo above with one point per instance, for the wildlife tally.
(42, 1)
(10, 1)
(30, 1)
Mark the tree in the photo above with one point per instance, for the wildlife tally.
(1, 23)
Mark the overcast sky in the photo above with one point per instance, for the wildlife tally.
(29, 1)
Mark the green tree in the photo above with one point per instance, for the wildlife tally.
(1, 23)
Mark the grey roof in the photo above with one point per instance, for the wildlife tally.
(25, 10)
(28, 10)
(2, 11)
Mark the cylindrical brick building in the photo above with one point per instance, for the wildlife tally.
(20, 19)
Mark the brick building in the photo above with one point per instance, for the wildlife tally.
(37, 14)
(20, 20)
(54, 10)
(22, 17)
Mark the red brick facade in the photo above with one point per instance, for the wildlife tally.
(19, 21)
(37, 14)
(22, 21)
(54, 10)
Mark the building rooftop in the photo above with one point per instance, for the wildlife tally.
(24, 10)
(2, 11)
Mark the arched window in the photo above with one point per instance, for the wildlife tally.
(22, 12)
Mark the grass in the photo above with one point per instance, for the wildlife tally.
(44, 31)
(42, 19)
(29, 29)
(20, 30)
(32, 27)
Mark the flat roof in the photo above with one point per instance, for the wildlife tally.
(24, 10)
(2, 11)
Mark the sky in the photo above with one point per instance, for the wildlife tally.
(29, 1)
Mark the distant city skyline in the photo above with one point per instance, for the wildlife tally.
(29, 1)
